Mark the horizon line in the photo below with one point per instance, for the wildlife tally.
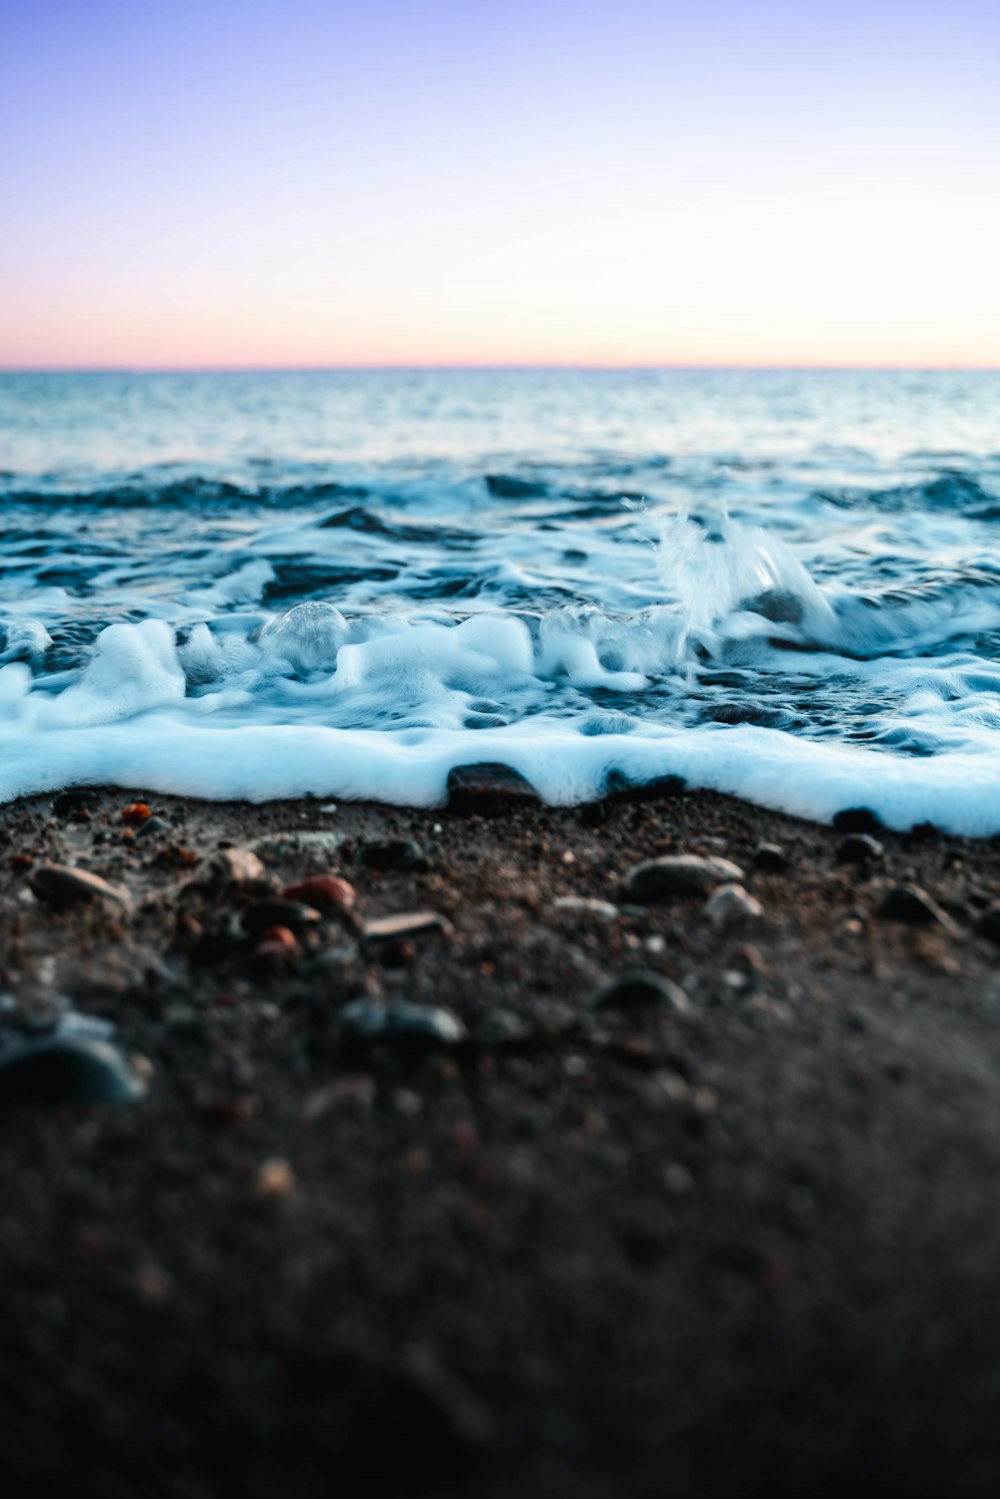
(513, 366)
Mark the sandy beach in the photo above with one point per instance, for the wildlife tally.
(642, 1197)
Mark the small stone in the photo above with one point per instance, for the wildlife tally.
(677, 1179)
(136, 812)
(400, 1026)
(281, 936)
(480, 788)
(637, 989)
(292, 914)
(914, 907)
(76, 1070)
(582, 905)
(75, 805)
(61, 886)
(320, 842)
(324, 892)
(770, 858)
(231, 866)
(392, 853)
(406, 924)
(679, 874)
(275, 1178)
(857, 820)
(859, 848)
(732, 906)
(155, 827)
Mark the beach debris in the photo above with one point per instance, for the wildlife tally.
(63, 885)
(857, 820)
(392, 853)
(732, 905)
(770, 858)
(231, 866)
(400, 1026)
(405, 924)
(155, 827)
(275, 912)
(76, 1069)
(859, 848)
(324, 892)
(637, 989)
(679, 874)
(584, 905)
(914, 907)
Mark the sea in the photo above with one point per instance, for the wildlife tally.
(781, 585)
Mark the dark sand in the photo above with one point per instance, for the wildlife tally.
(754, 1247)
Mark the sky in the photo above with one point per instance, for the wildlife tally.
(230, 183)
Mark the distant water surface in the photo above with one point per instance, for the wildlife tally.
(782, 585)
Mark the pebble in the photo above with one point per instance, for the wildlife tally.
(292, 914)
(295, 841)
(859, 848)
(75, 805)
(679, 874)
(323, 892)
(231, 866)
(914, 907)
(770, 858)
(636, 989)
(136, 812)
(61, 886)
(392, 853)
(406, 924)
(604, 910)
(400, 1025)
(275, 1178)
(732, 906)
(857, 820)
(68, 1069)
(472, 788)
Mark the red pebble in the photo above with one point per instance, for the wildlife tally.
(322, 892)
(280, 936)
(136, 812)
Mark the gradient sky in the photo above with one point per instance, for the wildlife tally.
(230, 183)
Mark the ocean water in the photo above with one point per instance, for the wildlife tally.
(785, 586)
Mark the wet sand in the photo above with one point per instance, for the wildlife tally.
(735, 1234)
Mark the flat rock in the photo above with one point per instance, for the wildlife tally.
(405, 924)
(914, 907)
(319, 841)
(401, 1026)
(732, 906)
(476, 788)
(679, 874)
(637, 989)
(61, 886)
(583, 905)
(77, 1070)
